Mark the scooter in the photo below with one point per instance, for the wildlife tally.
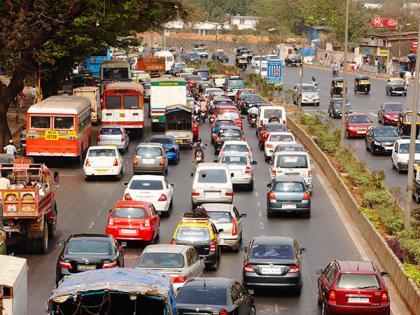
(252, 119)
(203, 115)
(212, 117)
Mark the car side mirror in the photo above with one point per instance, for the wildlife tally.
(61, 243)
(384, 274)
(192, 174)
(254, 163)
(215, 161)
(110, 210)
(56, 178)
(125, 184)
(172, 184)
(232, 174)
(302, 250)
(220, 230)
(269, 185)
(242, 215)
(319, 271)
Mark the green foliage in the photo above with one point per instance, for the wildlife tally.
(413, 272)
(373, 216)
(265, 89)
(212, 67)
(217, 10)
(327, 141)
(411, 243)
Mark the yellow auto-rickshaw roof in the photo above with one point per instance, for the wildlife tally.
(219, 76)
(395, 79)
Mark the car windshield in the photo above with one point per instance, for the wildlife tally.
(358, 281)
(359, 119)
(394, 107)
(205, 295)
(397, 82)
(217, 176)
(292, 161)
(223, 103)
(88, 246)
(145, 184)
(405, 147)
(102, 153)
(308, 88)
(251, 97)
(230, 133)
(192, 234)
(230, 115)
(110, 131)
(236, 84)
(162, 140)
(231, 159)
(220, 216)
(288, 187)
(203, 74)
(268, 113)
(194, 55)
(339, 102)
(385, 132)
(281, 138)
(274, 127)
(224, 122)
(149, 151)
(235, 148)
(130, 213)
(161, 260)
(272, 251)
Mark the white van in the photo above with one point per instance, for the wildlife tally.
(270, 114)
(169, 58)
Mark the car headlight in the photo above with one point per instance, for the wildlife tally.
(377, 143)
(352, 128)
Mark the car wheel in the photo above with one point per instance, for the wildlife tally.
(297, 291)
(215, 265)
(121, 174)
(324, 309)
(252, 310)
(417, 198)
(386, 91)
(269, 214)
(307, 214)
(251, 186)
(166, 171)
(52, 225)
(267, 158)
(261, 146)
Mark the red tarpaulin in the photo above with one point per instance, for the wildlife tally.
(377, 21)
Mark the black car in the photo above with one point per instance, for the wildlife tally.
(212, 295)
(225, 134)
(396, 86)
(381, 139)
(82, 252)
(273, 262)
(217, 125)
(335, 108)
(192, 58)
(247, 101)
(204, 74)
(293, 61)
(220, 56)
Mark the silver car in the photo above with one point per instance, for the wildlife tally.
(180, 262)
(307, 94)
(240, 168)
(150, 158)
(226, 217)
(113, 135)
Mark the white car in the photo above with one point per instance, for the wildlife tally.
(274, 139)
(256, 60)
(211, 183)
(151, 188)
(212, 91)
(236, 146)
(103, 161)
(240, 168)
(226, 217)
(292, 164)
(263, 72)
(400, 154)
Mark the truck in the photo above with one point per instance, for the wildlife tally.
(163, 93)
(93, 93)
(93, 62)
(13, 285)
(151, 64)
(115, 70)
(179, 121)
(29, 208)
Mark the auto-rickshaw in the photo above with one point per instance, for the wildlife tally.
(179, 121)
(405, 121)
(337, 85)
(362, 84)
(241, 62)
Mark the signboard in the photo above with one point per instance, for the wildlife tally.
(377, 21)
(275, 71)
(383, 52)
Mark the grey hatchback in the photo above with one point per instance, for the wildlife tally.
(288, 194)
(150, 158)
(113, 135)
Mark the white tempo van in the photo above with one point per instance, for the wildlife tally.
(169, 58)
(268, 114)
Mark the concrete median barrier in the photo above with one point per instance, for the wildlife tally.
(406, 287)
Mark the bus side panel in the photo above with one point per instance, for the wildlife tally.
(39, 146)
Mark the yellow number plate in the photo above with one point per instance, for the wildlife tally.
(51, 135)
(71, 133)
(122, 115)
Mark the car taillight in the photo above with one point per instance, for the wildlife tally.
(309, 173)
(248, 268)
(127, 196)
(172, 242)
(294, 269)
(146, 223)
(109, 264)
(223, 312)
(111, 221)
(265, 135)
(273, 173)
(248, 170)
(195, 193)
(115, 162)
(243, 104)
(99, 137)
(212, 246)
(306, 196)
(162, 161)
(269, 145)
(87, 162)
(229, 193)
(179, 279)
(331, 297)
(162, 197)
(122, 138)
(65, 265)
(234, 226)
(271, 196)
(384, 297)
(135, 160)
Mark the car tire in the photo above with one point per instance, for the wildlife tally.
(324, 309)
(251, 186)
(297, 291)
(42, 242)
(120, 175)
(252, 310)
(261, 146)
(307, 214)
(52, 225)
(269, 214)
(215, 265)
(417, 198)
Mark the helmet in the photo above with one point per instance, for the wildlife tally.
(11, 141)
(198, 140)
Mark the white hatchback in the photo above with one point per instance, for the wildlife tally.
(400, 154)
(236, 146)
(240, 168)
(274, 139)
(103, 161)
(151, 188)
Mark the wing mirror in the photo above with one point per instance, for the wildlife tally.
(56, 178)
(125, 184)
(384, 274)
(192, 174)
(242, 215)
(172, 184)
(215, 161)
(61, 243)
(269, 185)
(319, 271)
(303, 250)
(254, 163)
(232, 174)
(220, 230)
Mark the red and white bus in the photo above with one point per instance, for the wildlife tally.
(59, 126)
(123, 104)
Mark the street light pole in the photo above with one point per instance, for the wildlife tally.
(261, 38)
(344, 100)
(413, 134)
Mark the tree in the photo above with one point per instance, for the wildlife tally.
(54, 33)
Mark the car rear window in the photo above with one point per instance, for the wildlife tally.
(149, 151)
(192, 234)
(282, 138)
(231, 159)
(230, 133)
(161, 140)
(359, 119)
(220, 216)
(110, 131)
(358, 281)
(146, 184)
(206, 295)
(230, 115)
(222, 103)
(236, 84)
(272, 251)
(277, 127)
(288, 187)
(251, 97)
(86, 246)
(217, 176)
(130, 213)
(268, 113)
(292, 161)
(161, 260)
(102, 153)
(224, 122)
(235, 148)
(394, 107)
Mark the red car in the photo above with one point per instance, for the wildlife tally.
(239, 94)
(231, 114)
(264, 132)
(133, 220)
(352, 287)
(388, 113)
(357, 125)
(224, 102)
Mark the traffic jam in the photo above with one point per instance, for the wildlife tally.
(133, 130)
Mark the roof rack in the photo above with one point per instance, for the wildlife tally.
(198, 213)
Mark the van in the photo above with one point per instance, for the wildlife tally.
(271, 114)
(169, 58)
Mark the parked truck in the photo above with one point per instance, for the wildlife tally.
(13, 285)
(151, 64)
(163, 93)
(29, 208)
(93, 93)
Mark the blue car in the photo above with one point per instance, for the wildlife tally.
(170, 146)
(216, 126)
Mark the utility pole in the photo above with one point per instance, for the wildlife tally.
(343, 105)
(413, 134)
(301, 71)
(261, 38)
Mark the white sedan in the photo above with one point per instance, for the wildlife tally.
(236, 146)
(240, 166)
(151, 188)
(103, 161)
(274, 139)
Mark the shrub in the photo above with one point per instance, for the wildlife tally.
(373, 216)
(395, 245)
(411, 244)
(412, 272)
(377, 198)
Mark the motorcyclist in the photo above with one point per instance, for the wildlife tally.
(313, 81)
(198, 151)
(203, 109)
(195, 130)
(335, 67)
(252, 112)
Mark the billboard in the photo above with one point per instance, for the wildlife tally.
(275, 71)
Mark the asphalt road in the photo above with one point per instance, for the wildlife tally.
(83, 208)
(368, 104)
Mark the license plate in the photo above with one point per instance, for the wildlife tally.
(292, 174)
(130, 232)
(358, 300)
(102, 171)
(86, 267)
(122, 115)
(148, 161)
(51, 135)
(271, 270)
(288, 206)
(212, 194)
(178, 140)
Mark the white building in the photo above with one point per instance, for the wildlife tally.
(175, 25)
(244, 22)
(372, 5)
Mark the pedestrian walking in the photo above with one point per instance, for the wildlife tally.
(20, 99)
(10, 148)
(34, 94)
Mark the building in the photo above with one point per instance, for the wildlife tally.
(244, 22)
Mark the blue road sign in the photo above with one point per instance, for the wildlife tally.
(275, 71)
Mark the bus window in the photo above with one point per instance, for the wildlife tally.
(40, 122)
(63, 123)
(115, 73)
(113, 102)
(131, 102)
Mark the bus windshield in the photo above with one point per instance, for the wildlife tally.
(131, 102)
(115, 73)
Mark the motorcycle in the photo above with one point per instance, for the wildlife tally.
(252, 119)
(212, 117)
(23, 141)
(199, 157)
(335, 72)
(203, 115)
